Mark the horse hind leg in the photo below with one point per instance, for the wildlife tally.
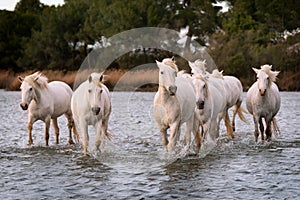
(229, 128)
(71, 125)
(56, 129)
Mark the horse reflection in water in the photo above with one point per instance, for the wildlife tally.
(46, 101)
(91, 105)
(174, 104)
(263, 101)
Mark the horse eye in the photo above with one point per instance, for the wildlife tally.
(161, 72)
(89, 90)
(101, 91)
(30, 89)
(175, 74)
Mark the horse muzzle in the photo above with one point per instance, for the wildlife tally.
(172, 90)
(24, 106)
(200, 104)
(262, 92)
(96, 110)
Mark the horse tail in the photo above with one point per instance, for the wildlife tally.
(240, 110)
(275, 127)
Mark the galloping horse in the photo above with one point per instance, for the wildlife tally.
(91, 105)
(46, 101)
(174, 104)
(234, 89)
(202, 81)
(263, 101)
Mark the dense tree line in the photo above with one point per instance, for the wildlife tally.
(251, 33)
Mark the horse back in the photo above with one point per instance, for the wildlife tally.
(186, 97)
(61, 94)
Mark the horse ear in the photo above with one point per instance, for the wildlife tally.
(256, 70)
(173, 58)
(157, 63)
(90, 78)
(20, 78)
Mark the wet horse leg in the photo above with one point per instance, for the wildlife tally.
(71, 125)
(29, 128)
(47, 126)
(85, 137)
(228, 125)
(56, 129)
(197, 134)
(98, 134)
(268, 130)
(163, 133)
(174, 135)
(256, 133)
(261, 127)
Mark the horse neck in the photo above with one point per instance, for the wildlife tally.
(41, 95)
(163, 93)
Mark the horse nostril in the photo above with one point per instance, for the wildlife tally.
(24, 106)
(172, 89)
(200, 104)
(96, 110)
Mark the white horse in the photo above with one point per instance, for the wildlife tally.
(91, 105)
(174, 104)
(46, 101)
(234, 90)
(263, 101)
(205, 81)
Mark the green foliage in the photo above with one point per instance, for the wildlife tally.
(250, 34)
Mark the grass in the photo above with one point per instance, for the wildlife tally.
(132, 80)
(120, 80)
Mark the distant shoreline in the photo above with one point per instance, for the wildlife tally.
(124, 80)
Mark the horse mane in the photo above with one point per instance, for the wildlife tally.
(170, 62)
(217, 74)
(268, 70)
(201, 65)
(37, 80)
(205, 80)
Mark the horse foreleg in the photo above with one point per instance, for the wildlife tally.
(174, 136)
(261, 128)
(268, 130)
(189, 128)
(98, 134)
(85, 137)
(256, 133)
(47, 127)
(163, 133)
(197, 135)
(56, 129)
(29, 128)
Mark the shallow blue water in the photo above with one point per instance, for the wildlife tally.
(134, 165)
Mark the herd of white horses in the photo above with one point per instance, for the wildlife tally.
(199, 100)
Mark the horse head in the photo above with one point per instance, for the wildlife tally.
(265, 77)
(95, 91)
(28, 90)
(201, 88)
(198, 67)
(167, 76)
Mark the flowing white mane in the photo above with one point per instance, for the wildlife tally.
(37, 79)
(170, 62)
(268, 70)
(217, 74)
